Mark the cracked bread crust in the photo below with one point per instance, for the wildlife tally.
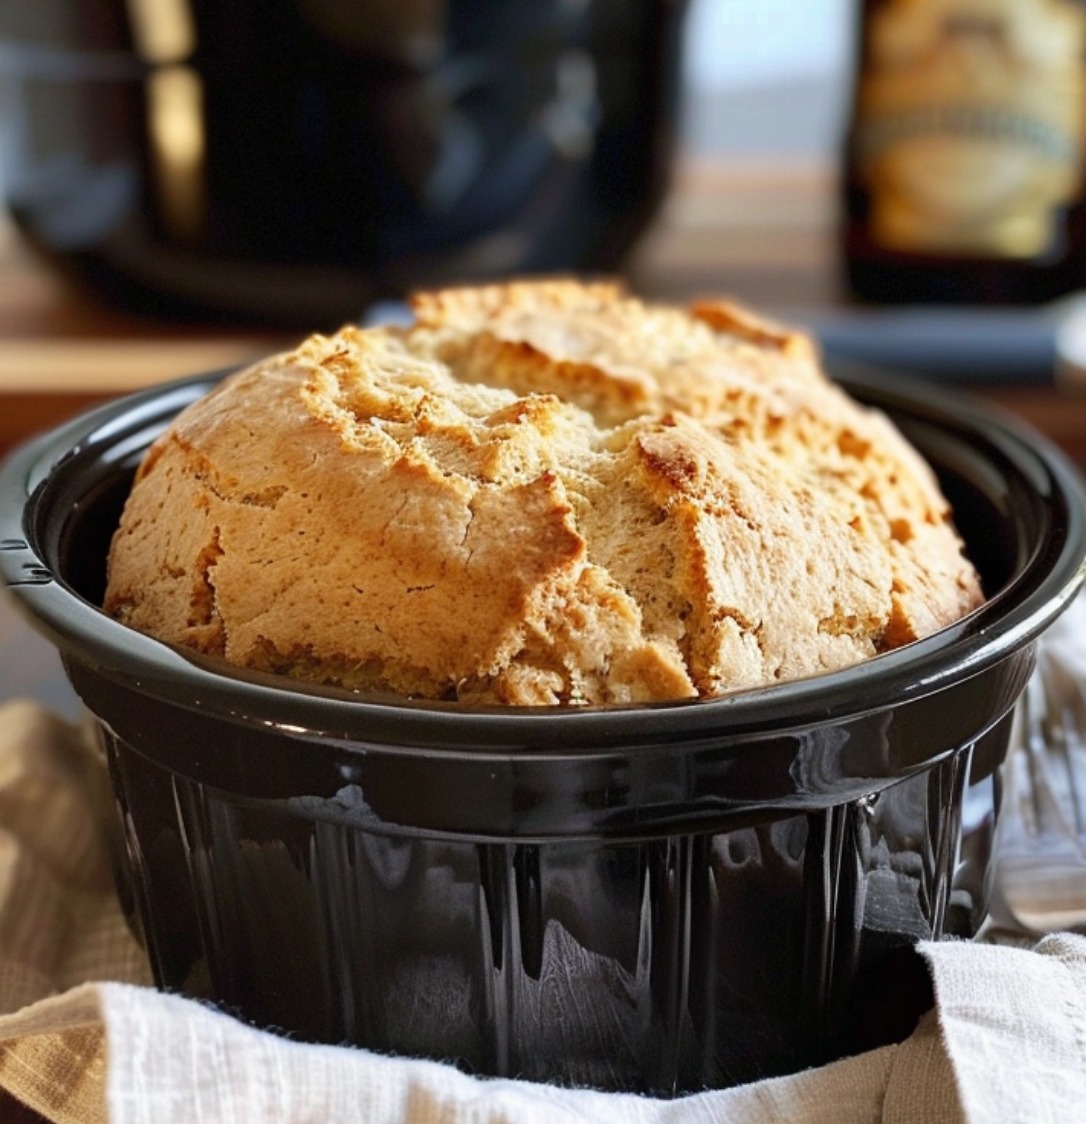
(541, 493)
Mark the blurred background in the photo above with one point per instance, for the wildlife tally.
(768, 78)
(291, 160)
(227, 174)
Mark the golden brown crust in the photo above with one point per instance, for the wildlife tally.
(541, 493)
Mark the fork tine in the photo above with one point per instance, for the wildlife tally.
(1041, 846)
(1063, 737)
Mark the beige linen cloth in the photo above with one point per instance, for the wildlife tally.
(84, 1037)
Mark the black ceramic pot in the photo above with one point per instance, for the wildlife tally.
(653, 898)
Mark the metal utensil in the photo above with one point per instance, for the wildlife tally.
(1041, 842)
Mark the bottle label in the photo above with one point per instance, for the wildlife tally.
(971, 117)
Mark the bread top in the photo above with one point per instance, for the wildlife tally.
(540, 493)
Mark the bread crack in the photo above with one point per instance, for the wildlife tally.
(204, 617)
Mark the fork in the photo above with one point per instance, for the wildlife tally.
(1040, 880)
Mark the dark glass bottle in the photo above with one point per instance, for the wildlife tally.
(294, 160)
(963, 164)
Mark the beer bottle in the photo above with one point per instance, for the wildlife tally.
(964, 157)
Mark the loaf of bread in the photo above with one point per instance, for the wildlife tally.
(539, 493)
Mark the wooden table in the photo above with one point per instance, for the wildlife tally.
(763, 233)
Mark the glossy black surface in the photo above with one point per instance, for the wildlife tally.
(293, 160)
(657, 898)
